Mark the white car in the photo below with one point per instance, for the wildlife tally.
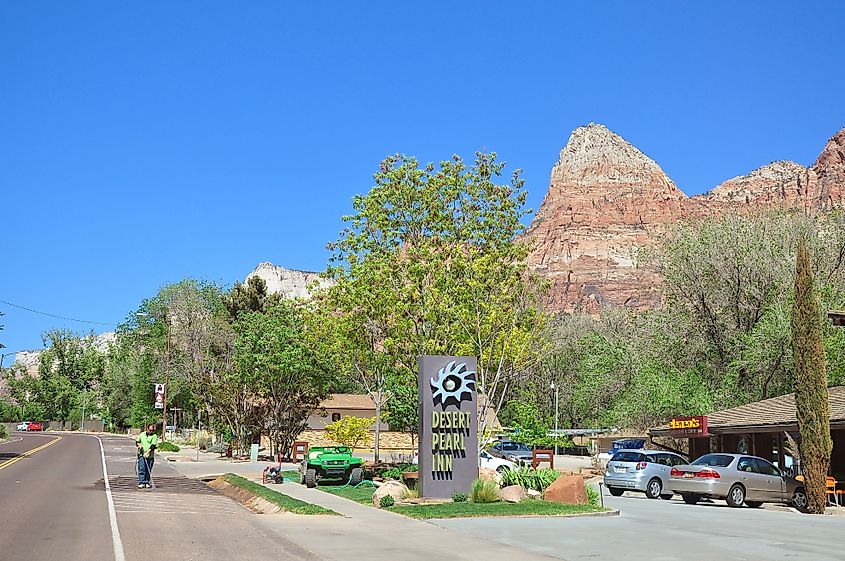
(23, 426)
(490, 462)
(487, 461)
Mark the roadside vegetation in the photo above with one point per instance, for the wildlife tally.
(285, 502)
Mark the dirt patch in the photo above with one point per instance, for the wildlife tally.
(253, 503)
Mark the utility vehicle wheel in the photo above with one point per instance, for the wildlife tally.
(690, 499)
(654, 488)
(736, 496)
(311, 478)
(616, 491)
(357, 476)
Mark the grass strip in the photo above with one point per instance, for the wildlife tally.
(287, 503)
(363, 494)
(472, 510)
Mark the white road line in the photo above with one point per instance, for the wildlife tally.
(115, 532)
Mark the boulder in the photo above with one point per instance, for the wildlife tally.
(512, 494)
(533, 494)
(567, 489)
(395, 489)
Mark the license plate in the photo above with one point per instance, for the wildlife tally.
(688, 475)
(620, 470)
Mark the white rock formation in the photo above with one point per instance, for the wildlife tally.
(288, 282)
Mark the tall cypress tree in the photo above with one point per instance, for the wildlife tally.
(811, 397)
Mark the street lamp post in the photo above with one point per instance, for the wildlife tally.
(555, 389)
(166, 374)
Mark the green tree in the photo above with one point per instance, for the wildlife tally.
(432, 262)
(276, 358)
(811, 395)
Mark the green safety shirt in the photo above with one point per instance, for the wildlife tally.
(147, 441)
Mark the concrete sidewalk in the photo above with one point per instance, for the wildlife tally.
(361, 533)
(370, 534)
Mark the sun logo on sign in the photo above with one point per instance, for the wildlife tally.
(453, 384)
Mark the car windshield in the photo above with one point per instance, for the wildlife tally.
(627, 457)
(714, 460)
(521, 447)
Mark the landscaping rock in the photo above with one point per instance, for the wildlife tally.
(533, 494)
(513, 494)
(490, 475)
(568, 489)
(395, 489)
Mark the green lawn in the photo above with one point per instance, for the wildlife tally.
(287, 503)
(363, 494)
(469, 510)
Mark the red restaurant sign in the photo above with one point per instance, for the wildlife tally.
(689, 427)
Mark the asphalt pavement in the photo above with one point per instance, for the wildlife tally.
(52, 502)
(54, 507)
(659, 530)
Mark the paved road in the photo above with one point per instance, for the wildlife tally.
(54, 507)
(655, 530)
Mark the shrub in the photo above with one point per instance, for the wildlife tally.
(592, 495)
(396, 472)
(386, 501)
(410, 494)
(3, 432)
(530, 478)
(350, 431)
(167, 447)
(459, 497)
(484, 491)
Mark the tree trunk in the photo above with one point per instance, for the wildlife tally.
(378, 424)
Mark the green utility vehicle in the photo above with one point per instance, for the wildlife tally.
(331, 462)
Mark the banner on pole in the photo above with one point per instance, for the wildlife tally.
(159, 396)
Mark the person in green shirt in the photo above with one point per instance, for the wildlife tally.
(146, 444)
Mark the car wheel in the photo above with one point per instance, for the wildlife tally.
(615, 491)
(690, 499)
(799, 500)
(654, 488)
(753, 504)
(311, 478)
(357, 476)
(503, 469)
(736, 496)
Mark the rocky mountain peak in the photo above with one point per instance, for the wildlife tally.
(290, 283)
(774, 177)
(595, 154)
(833, 153)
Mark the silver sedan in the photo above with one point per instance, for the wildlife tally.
(738, 479)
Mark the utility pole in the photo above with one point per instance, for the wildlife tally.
(166, 381)
(555, 388)
(82, 420)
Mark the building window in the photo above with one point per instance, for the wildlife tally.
(335, 417)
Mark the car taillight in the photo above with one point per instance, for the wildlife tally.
(708, 473)
(676, 472)
(642, 465)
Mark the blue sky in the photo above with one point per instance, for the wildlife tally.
(142, 143)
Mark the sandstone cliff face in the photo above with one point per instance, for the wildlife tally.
(288, 282)
(607, 202)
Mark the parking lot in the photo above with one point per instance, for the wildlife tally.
(659, 530)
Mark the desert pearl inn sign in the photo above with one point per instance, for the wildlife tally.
(448, 438)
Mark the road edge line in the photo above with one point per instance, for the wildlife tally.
(115, 531)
